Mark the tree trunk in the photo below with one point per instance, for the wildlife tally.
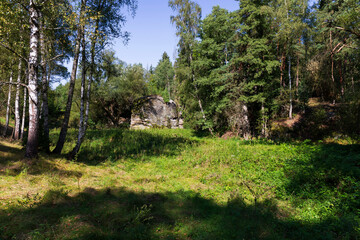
(92, 71)
(17, 104)
(45, 84)
(297, 76)
(169, 89)
(282, 69)
(291, 106)
(64, 127)
(245, 122)
(341, 79)
(24, 109)
(81, 132)
(264, 132)
(332, 68)
(33, 141)
(201, 109)
(8, 105)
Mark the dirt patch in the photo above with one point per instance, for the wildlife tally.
(288, 123)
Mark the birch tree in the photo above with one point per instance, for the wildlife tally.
(64, 126)
(33, 130)
(8, 104)
(12, 39)
(17, 103)
(105, 23)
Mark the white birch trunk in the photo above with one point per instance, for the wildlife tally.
(32, 142)
(45, 84)
(81, 132)
(8, 105)
(23, 115)
(17, 104)
(264, 131)
(64, 127)
(246, 123)
(291, 106)
(92, 70)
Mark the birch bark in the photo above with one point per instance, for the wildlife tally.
(33, 139)
(291, 106)
(8, 106)
(64, 127)
(17, 103)
(24, 108)
(45, 84)
(81, 132)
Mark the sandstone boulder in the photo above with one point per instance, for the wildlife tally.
(153, 111)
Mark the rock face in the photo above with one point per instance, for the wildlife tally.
(152, 111)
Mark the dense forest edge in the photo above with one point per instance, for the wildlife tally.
(269, 98)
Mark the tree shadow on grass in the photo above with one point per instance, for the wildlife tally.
(8, 157)
(8, 153)
(9, 130)
(329, 179)
(135, 145)
(329, 166)
(12, 163)
(122, 214)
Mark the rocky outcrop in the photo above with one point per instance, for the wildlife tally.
(152, 111)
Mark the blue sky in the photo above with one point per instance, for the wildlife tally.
(152, 33)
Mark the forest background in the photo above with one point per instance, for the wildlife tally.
(237, 71)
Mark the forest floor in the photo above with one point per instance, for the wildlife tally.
(172, 184)
(319, 120)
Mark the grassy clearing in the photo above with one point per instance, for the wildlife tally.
(171, 184)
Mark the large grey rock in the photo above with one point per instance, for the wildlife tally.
(152, 111)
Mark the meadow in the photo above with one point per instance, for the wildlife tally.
(174, 184)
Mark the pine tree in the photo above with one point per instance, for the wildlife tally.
(162, 82)
(251, 67)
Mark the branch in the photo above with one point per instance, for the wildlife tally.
(15, 83)
(346, 46)
(13, 51)
(337, 47)
(22, 5)
(57, 28)
(54, 58)
(341, 48)
(349, 30)
(21, 84)
(43, 2)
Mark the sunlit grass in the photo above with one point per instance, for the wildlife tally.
(172, 184)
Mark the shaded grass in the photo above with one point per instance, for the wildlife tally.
(123, 214)
(10, 127)
(9, 154)
(163, 184)
(112, 145)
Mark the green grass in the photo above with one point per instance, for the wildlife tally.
(171, 184)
